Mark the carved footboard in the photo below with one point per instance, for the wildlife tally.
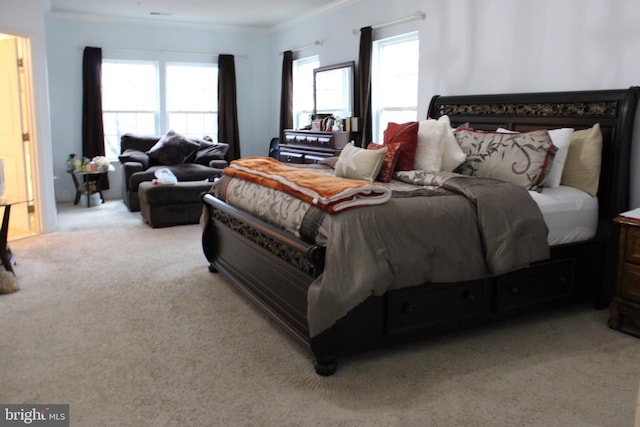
(273, 268)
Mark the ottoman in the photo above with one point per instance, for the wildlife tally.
(164, 205)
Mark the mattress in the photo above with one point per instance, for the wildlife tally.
(570, 214)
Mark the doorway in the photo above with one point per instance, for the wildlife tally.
(16, 147)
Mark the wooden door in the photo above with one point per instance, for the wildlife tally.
(12, 145)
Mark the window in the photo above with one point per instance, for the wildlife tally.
(150, 97)
(192, 99)
(394, 82)
(129, 101)
(303, 90)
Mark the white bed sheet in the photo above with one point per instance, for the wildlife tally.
(571, 214)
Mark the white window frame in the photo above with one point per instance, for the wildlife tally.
(201, 115)
(112, 141)
(300, 114)
(161, 115)
(409, 112)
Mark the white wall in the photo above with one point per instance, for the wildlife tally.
(492, 46)
(488, 46)
(466, 46)
(25, 18)
(68, 35)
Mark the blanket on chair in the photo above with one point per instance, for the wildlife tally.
(329, 193)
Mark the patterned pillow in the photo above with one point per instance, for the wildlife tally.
(561, 138)
(519, 158)
(172, 149)
(359, 163)
(407, 133)
(389, 161)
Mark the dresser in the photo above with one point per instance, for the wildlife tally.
(308, 146)
(625, 304)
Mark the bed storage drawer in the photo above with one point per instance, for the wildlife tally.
(540, 283)
(416, 308)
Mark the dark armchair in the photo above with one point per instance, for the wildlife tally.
(189, 159)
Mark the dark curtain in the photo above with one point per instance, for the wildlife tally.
(286, 94)
(92, 126)
(227, 106)
(363, 87)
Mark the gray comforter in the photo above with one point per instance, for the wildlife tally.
(435, 228)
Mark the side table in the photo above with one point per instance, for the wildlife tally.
(91, 182)
(625, 304)
(7, 257)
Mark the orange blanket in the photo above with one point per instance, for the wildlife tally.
(330, 193)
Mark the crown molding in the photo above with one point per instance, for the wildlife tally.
(322, 10)
(154, 22)
(158, 21)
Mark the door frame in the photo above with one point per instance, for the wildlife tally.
(28, 115)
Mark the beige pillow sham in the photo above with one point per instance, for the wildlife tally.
(584, 158)
(359, 163)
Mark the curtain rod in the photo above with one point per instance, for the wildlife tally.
(315, 43)
(417, 15)
(162, 51)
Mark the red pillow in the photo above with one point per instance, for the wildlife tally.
(390, 159)
(408, 134)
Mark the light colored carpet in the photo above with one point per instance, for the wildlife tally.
(126, 324)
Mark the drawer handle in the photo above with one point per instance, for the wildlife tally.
(469, 296)
(408, 308)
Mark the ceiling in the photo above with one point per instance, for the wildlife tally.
(237, 13)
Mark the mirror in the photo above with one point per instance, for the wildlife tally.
(333, 90)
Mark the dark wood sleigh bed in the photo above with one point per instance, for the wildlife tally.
(274, 269)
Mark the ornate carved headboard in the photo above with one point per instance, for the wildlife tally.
(615, 110)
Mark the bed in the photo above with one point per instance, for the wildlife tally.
(277, 270)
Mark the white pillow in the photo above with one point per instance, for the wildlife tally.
(430, 145)
(453, 156)
(359, 163)
(561, 138)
